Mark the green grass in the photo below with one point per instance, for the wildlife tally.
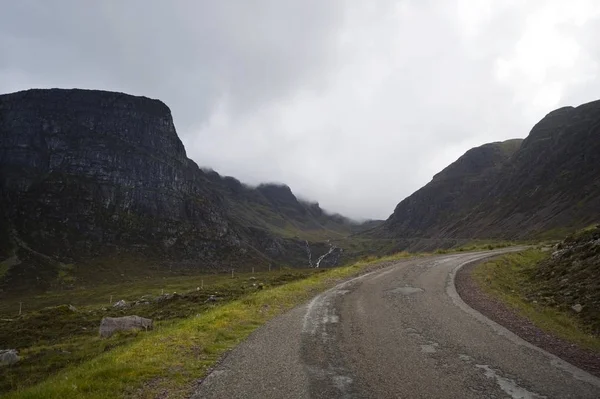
(172, 357)
(510, 278)
(50, 336)
(478, 245)
(131, 289)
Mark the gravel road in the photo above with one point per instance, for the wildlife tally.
(398, 332)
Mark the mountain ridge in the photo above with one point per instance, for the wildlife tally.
(547, 183)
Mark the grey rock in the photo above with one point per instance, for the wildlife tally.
(120, 304)
(110, 325)
(8, 356)
(72, 308)
(577, 307)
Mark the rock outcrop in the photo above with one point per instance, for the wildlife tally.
(569, 279)
(111, 325)
(8, 357)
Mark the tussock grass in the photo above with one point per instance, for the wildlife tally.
(176, 355)
(511, 279)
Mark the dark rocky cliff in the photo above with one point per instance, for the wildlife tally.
(452, 194)
(87, 174)
(548, 183)
(83, 172)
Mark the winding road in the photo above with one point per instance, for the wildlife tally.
(398, 332)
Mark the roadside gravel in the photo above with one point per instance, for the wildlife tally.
(502, 314)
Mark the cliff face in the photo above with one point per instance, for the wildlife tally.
(86, 174)
(549, 182)
(87, 171)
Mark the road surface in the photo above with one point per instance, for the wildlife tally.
(398, 332)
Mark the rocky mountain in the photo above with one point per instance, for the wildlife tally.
(88, 175)
(545, 185)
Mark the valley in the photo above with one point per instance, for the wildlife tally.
(105, 216)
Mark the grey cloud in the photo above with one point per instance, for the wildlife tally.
(190, 54)
(354, 104)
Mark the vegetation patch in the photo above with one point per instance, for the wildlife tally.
(478, 245)
(63, 357)
(515, 280)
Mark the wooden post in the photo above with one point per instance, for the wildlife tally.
(110, 300)
(231, 273)
(20, 307)
(202, 284)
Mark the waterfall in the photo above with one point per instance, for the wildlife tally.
(331, 249)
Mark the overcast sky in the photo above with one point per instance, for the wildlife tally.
(352, 103)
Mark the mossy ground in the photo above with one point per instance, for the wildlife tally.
(512, 279)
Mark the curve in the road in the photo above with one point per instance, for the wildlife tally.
(399, 332)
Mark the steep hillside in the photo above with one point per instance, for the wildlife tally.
(545, 185)
(570, 278)
(88, 175)
(452, 193)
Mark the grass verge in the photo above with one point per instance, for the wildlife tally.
(170, 360)
(511, 279)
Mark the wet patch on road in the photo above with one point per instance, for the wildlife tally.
(508, 385)
(412, 331)
(430, 347)
(406, 290)
(465, 358)
(320, 352)
(427, 346)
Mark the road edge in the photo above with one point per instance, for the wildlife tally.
(555, 361)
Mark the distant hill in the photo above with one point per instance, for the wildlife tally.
(275, 208)
(99, 182)
(545, 185)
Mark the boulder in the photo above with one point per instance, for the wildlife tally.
(120, 304)
(8, 356)
(110, 325)
(212, 298)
